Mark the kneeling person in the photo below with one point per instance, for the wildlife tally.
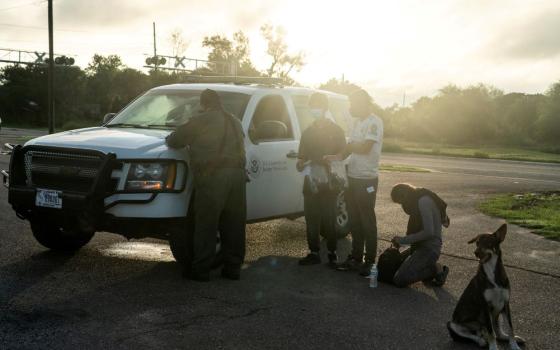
(321, 138)
(427, 213)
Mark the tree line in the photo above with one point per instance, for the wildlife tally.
(476, 115)
(473, 115)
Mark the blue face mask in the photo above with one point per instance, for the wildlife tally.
(317, 113)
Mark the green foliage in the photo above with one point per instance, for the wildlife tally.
(340, 86)
(282, 63)
(391, 144)
(478, 116)
(537, 211)
(224, 51)
(548, 123)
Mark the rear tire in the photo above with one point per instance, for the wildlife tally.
(57, 238)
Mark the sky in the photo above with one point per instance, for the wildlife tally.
(394, 49)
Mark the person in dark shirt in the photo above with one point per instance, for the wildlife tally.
(217, 161)
(321, 138)
(427, 217)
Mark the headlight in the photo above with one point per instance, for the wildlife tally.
(151, 176)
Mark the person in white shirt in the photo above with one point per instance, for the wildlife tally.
(364, 150)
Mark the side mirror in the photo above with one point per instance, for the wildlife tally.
(107, 118)
(271, 130)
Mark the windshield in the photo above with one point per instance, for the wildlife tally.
(168, 109)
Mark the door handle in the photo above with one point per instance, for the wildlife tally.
(292, 154)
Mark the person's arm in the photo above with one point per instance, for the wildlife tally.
(182, 135)
(426, 207)
(302, 157)
(363, 147)
(371, 137)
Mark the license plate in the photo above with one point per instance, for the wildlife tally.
(48, 199)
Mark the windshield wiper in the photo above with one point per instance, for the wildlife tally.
(122, 125)
(159, 126)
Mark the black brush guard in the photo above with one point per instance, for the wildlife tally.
(88, 206)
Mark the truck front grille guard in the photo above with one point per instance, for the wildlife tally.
(22, 166)
(51, 163)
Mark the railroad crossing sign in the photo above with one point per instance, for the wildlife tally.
(182, 63)
(33, 57)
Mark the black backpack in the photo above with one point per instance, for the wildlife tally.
(388, 264)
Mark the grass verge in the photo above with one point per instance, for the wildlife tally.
(539, 211)
(484, 152)
(403, 168)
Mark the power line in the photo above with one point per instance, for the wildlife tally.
(23, 5)
(40, 28)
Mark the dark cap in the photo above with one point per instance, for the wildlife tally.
(319, 100)
(210, 99)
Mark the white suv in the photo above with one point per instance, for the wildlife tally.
(122, 178)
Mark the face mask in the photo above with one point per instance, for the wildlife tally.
(317, 113)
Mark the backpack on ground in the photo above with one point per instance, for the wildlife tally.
(388, 264)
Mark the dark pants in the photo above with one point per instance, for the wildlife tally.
(320, 217)
(360, 200)
(419, 266)
(219, 203)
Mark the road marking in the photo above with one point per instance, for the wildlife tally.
(503, 177)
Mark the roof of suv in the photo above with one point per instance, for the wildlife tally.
(245, 88)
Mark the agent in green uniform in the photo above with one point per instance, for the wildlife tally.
(217, 161)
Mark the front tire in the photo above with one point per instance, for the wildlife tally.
(181, 244)
(57, 238)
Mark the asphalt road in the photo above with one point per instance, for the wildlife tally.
(128, 294)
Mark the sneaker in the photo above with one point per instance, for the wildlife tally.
(332, 260)
(441, 277)
(310, 259)
(365, 268)
(351, 264)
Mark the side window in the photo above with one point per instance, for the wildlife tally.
(271, 121)
(340, 110)
(301, 105)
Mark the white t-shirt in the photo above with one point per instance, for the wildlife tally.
(366, 166)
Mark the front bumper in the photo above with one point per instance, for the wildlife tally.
(22, 194)
(102, 206)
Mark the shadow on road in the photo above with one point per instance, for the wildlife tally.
(276, 304)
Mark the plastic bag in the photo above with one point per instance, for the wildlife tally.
(338, 176)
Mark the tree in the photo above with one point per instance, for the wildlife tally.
(178, 42)
(104, 64)
(225, 52)
(282, 63)
(340, 86)
(101, 73)
(548, 123)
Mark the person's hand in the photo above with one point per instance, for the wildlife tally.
(332, 158)
(300, 165)
(395, 241)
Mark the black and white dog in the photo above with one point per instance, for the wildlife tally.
(476, 316)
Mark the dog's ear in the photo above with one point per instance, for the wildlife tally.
(474, 239)
(501, 233)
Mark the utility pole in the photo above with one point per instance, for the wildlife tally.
(50, 88)
(155, 50)
(404, 99)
